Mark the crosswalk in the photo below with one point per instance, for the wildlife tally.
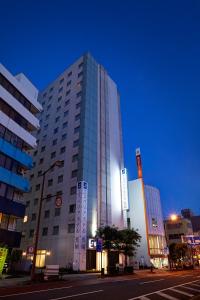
(179, 292)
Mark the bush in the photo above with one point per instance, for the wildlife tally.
(128, 269)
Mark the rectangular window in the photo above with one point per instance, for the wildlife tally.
(72, 208)
(80, 65)
(27, 203)
(50, 182)
(45, 231)
(46, 214)
(74, 157)
(31, 176)
(49, 106)
(51, 89)
(60, 90)
(35, 201)
(60, 178)
(77, 117)
(68, 92)
(31, 233)
(37, 187)
(69, 82)
(75, 143)
(39, 173)
(65, 125)
(57, 119)
(44, 95)
(57, 212)
(66, 113)
(79, 94)
(33, 217)
(71, 228)
(74, 173)
(78, 105)
(45, 127)
(61, 80)
(73, 190)
(64, 136)
(77, 129)
(80, 74)
(62, 150)
(55, 130)
(55, 230)
(58, 193)
(60, 98)
(69, 74)
(53, 154)
(41, 161)
(35, 153)
(54, 142)
(43, 148)
(67, 102)
(58, 108)
(50, 97)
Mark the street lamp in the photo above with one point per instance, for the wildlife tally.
(57, 163)
(173, 217)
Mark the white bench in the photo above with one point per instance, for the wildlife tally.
(51, 271)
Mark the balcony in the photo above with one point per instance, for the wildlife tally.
(16, 154)
(9, 207)
(15, 180)
(11, 239)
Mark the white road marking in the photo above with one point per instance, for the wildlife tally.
(186, 276)
(181, 292)
(36, 291)
(192, 289)
(163, 289)
(166, 296)
(195, 284)
(144, 282)
(76, 295)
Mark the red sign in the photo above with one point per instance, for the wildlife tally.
(58, 202)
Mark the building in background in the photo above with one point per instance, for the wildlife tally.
(195, 220)
(176, 228)
(145, 214)
(81, 125)
(18, 107)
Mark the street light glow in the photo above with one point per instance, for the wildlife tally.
(173, 217)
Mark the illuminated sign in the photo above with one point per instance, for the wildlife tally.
(92, 244)
(80, 227)
(191, 239)
(139, 162)
(124, 186)
(3, 254)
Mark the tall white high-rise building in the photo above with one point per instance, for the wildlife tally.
(81, 125)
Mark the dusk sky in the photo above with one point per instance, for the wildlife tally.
(151, 49)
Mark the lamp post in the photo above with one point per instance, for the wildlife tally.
(57, 163)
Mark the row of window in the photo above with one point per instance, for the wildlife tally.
(62, 79)
(78, 95)
(59, 180)
(13, 139)
(48, 198)
(55, 230)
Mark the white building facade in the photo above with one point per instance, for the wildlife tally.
(81, 125)
(18, 107)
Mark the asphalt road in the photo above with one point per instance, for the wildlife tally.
(172, 286)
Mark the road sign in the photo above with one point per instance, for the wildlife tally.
(58, 202)
(30, 250)
(99, 245)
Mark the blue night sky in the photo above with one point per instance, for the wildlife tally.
(152, 51)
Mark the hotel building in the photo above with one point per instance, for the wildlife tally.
(18, 107)
(80, 125)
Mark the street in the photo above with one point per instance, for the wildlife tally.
(174, 285)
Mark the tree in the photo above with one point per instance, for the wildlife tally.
(177, 252)
(128, 242)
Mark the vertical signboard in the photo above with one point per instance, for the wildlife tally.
(124, 184)
(3, 254)
(80, 246)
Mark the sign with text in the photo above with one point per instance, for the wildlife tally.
(3, 254)
(124, 187)
(80, 227)
(191, 239)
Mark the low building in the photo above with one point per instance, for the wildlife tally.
(146, 216)
(177, 227)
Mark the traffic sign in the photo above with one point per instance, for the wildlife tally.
(99, 245)
(58, 202)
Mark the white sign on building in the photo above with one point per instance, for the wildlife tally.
(124, 184)
(80, 239)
